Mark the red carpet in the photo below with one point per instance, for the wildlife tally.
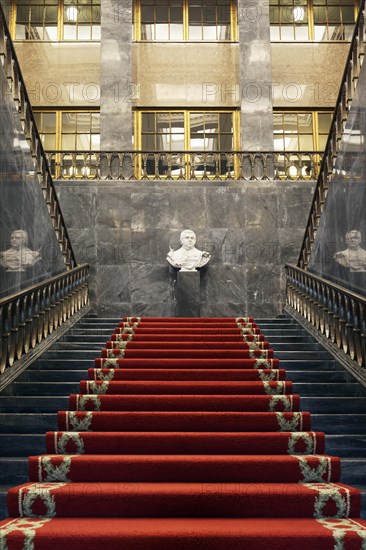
(186, 436)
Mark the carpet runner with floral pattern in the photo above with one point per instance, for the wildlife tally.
(186, 434)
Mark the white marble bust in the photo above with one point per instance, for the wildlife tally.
(19, 256)
(353, 257)
(188, 257)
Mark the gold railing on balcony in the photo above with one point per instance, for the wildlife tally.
(28, 317)
(10, 64)
(337, 313)
(343, 105)
(184, 165)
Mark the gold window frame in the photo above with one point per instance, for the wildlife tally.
(60, 23)
(310, 22)
(187, 168)
(233, 24)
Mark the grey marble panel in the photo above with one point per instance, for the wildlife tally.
(150, 209)
(114, 284)
(113, 208)
(84, 245)
(113, 246)
(80, 210)
(290, 204)
(225, 207)
(150, 283)
(151, 245)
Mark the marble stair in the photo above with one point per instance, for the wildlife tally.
(28, 407)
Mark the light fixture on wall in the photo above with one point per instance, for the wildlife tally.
(299, 14)
(72, 14)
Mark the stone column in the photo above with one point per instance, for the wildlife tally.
(116, 75)
(255, 76)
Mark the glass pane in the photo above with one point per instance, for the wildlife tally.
(68, 123)
(306, 143)
(301, 33)
(275, 33)
(209, 32)
(148, 122)
(320, 33)
(83, 123)
(176, 32)
(305, 121)
(226, 143)
(49, 122)
(197, 122)
(177, 122)
(147, 14)
(147, 31)
(322, 142)
(226, 122)
(95, 142)
(290, 123)
(334, 15)
(162, 31)
(20, 32)
(68, 142)
(287, 33)
(95, 120)
(162, 123)
(148, 142)
(69, 32)
(320, 15)
(96, 32)
(82, 142)
(84, 32)
(278, 143)
(324, 122)
(162, 14)
(49, 142)
(291, 143)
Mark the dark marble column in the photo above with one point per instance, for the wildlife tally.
(188, 294)
(255, 76)
(116, 75)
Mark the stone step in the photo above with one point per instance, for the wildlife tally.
(28, 423)
(339, 423)
(277, 347)
(69, 375)
(333, 405)
(91, 354)
(101, 339)
(33, 404)
(353, 471)
(80, 364)
(346, 445)
(304, 389)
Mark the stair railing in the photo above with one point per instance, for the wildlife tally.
(28, 317)
(9, 61)
(184, 165)
(337, 313)
(341, 112)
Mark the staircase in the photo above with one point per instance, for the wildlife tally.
(336, 401)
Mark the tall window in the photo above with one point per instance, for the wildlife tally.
(177, 20)
(69, 130)
(195, 141)
(56, 20)
(318, 20)
(301, 131)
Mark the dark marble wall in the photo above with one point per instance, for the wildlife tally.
(339, 250)
(22, 207)
(124, 230)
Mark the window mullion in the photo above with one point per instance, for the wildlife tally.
(315, 131)
(311, 30)
(233, 21)
(185, 20)
(60, 20)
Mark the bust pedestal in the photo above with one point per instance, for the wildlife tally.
(188, 294)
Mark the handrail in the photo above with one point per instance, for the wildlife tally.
(340, 116)
(184, 165)
(336, 312)
(9, 61)
(28, 317)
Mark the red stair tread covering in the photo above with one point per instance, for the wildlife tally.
(187, 499)
(186, 354)
(200, 468)
(198, 320)
(141, 325)
(184, 387)
(186, 345)
(193, 337)
(188, 363)
(200, 330)
(181, 442)
(186, 533)
(270, 403)
(187, 374)
(184, 421)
